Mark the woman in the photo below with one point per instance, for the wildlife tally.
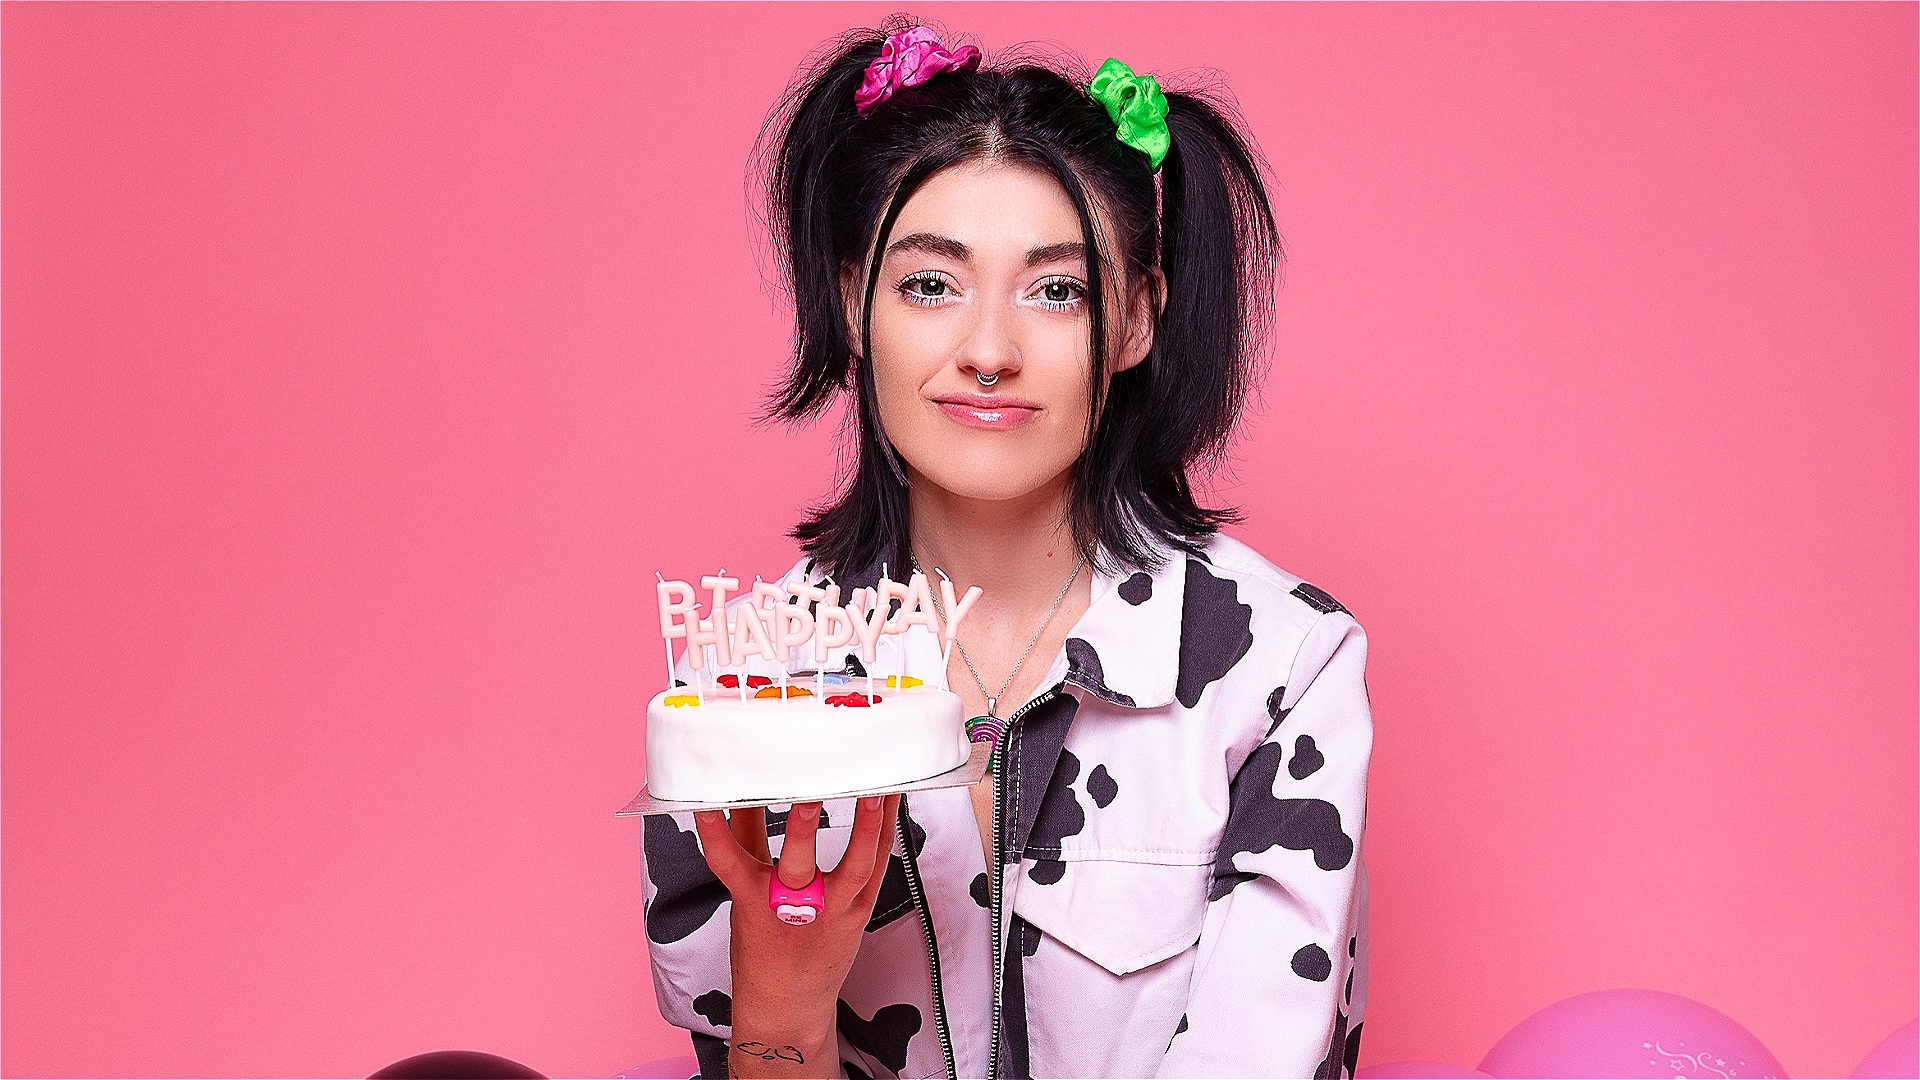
(1043, 295)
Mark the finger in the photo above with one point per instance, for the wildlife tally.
(749, 826)
(870, 892)
(856, 866)
(796, 866)
(725, 857)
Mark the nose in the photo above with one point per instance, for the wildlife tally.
(989, 350)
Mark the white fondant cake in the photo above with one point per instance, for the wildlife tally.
(724, 749)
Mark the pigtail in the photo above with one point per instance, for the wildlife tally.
(797, 149)
(1219, 250)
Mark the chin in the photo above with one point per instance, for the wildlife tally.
(989, 478)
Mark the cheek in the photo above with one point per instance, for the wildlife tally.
(902, 364)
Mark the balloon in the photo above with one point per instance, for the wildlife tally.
(1630, 1034)
(673, 1068)
(1896, 1058)
(1418, 1070)
(464, 1064)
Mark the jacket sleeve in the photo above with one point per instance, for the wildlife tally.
(687, 913)
(687, 936)
(1273, 990)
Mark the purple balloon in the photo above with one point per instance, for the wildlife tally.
(1630, 1034)
(1896, 1058)
(1419, 1070)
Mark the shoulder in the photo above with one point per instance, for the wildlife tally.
(1265, 585)
(1230, 584)
(1280, 630)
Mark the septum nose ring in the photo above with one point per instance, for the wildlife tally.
(986, 379)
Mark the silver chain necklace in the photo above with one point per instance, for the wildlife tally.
(993, 700)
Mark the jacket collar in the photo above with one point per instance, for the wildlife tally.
(1126, 648)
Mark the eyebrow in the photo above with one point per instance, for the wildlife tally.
(1057, 253)
(933, 244)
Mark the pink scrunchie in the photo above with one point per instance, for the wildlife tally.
(909, 58)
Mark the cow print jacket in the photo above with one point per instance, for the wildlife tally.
(1180, 887)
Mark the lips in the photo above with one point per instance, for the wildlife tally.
(994, 412)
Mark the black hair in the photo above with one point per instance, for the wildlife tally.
(835, 183)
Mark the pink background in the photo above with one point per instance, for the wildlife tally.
(361, 363)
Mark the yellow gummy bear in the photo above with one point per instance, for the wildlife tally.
(677, 700)
(902, 682)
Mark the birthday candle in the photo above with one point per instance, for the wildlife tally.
(832, 629)
(676, 599)
(887, 592)
(877, 617)
(750, 635)
(869, 620)
(833, 626)
(955, 611)
(720, 585)
(792, 626)
(916, 609)
(916, 606)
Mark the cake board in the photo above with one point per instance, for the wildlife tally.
(964, 776)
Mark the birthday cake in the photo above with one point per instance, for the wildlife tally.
(810, 731)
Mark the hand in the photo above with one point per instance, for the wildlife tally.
(786, 979)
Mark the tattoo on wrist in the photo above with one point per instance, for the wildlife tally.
(770, 1053)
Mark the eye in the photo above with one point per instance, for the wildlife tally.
(926, 288)
(1060, 293)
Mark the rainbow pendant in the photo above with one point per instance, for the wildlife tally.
(988, 729)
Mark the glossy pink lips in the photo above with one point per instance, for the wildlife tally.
(992, 411)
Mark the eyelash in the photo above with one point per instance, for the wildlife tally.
(1080, 293)
(905, 288)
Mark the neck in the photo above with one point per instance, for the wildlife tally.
(1019, 551)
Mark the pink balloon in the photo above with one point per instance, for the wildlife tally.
(1630, 1034)
(1418, 1070)
(673, 1068)
(1896, 1058)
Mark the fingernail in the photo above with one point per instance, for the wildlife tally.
(871, 802)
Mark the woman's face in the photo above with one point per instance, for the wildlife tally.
(985, 273)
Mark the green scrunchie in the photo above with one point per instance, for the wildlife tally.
(1137, 106)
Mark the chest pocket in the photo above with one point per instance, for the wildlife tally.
(1122, 914)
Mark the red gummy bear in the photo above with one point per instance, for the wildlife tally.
(855, 700)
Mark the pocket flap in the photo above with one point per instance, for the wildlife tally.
(1124, 916)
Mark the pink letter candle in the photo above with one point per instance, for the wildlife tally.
(833, 626)
(955, 611)
(869, 616)
(792, 626)
(916, 607)
(720, 586)
(676, 609)
(750, 636)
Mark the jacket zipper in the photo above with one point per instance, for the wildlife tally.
(919, 897)
(999, 861)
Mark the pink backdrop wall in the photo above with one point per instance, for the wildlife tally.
(358, 360)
